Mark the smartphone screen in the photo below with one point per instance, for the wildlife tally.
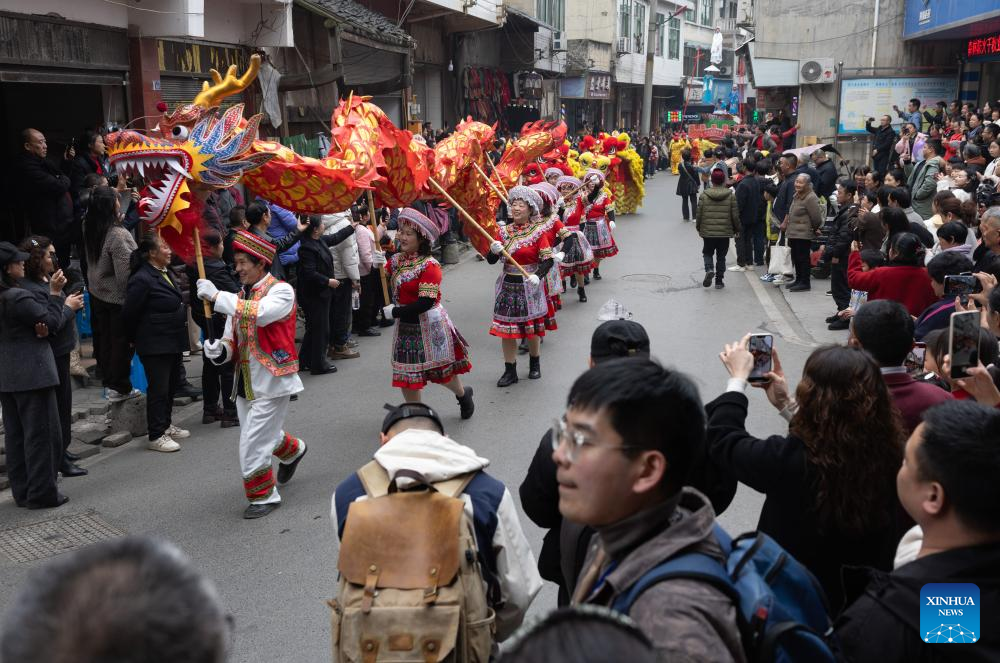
(963, 342)
(915, 359)
(957, 285)
(760, 346)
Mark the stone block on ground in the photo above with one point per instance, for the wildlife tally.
(98, 409)
(4, 483)
(89, 432)
(128, 415)
(79, 413)
(117, 439)
(181, 401)
(83, 450)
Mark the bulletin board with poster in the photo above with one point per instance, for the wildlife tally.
(862, 98)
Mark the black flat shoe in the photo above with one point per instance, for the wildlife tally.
(833, 318)
(69, 455)
(287, 470)
(70, 469)
(329, 368)
(229, 421)
(839, 325)
(465, 404)
(58, 502)
(385, 323)
(260, 510)
(371, 331)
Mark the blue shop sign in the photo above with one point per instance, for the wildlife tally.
(925, 17)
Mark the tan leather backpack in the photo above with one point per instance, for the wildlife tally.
(411, 587)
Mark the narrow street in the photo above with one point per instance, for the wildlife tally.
(276, 573)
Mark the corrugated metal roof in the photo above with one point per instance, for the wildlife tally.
(362, 21)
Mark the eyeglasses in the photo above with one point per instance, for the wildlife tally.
(576, 440)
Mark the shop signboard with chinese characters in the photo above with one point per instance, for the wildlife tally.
(922, 18)
(986, 47)
(598, 86)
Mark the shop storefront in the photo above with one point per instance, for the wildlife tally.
(587, 100)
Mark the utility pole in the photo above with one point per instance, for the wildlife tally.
(647, 87)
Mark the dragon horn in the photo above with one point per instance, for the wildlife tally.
(212, 95)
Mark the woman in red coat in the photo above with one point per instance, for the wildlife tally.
(426, 347)
(904, 279)
(521, 309)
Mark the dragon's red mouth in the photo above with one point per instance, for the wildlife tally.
(160, 164)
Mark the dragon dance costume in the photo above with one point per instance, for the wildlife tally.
(260, 337)
(426, 346)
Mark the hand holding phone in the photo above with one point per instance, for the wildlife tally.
(761, 347)
(963, 342)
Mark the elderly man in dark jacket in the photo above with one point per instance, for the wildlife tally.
(882, 143)
(827, 174)
(838, 247)
(44, 193)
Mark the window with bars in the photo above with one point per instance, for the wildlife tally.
(660, 29)
(625, 20)
(707, 9)
(640, 28)
(674, 39)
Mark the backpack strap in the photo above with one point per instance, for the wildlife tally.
(692, 566)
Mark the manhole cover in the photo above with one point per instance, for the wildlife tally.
(658, 279)
(54, 537)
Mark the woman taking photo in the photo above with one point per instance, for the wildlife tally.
(29, 378)
(109, 248)
(520, 309)
(804, 219)
(830, 482)
(39, 269)
(426, 347)
(155, 322)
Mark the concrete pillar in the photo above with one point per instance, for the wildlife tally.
(144, 73)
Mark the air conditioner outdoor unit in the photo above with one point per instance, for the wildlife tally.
(558, 41)
(623, 45)
(725, 71)
(817, 71)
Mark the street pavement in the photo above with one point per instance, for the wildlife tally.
(275, 574)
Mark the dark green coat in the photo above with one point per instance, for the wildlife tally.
(718, 214)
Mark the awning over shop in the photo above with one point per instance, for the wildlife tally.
(769, 72)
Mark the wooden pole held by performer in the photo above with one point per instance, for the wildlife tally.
(200, 262)
(499, 179)
(493, 186)
(371, 220)
(468, 217)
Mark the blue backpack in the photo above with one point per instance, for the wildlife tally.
(781, 608)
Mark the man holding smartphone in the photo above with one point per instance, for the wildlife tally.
(946, 270)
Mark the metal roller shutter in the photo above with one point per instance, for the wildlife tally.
(176, 90)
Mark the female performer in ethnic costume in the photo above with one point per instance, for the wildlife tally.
(556, 233)
(592, 214)
(426, 347)
(260, 338)
(578, 256)
(521, 309)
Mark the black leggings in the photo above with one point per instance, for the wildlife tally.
(694, 205)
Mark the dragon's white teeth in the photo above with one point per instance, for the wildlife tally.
(177, 167)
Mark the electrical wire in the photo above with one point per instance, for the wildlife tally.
(152, 11)
(818, 41)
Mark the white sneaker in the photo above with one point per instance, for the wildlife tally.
(178, 433)
(117, 396)
(164, 443)
(779, 280)
(737, 268)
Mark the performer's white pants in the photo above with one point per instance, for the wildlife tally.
(261, 437)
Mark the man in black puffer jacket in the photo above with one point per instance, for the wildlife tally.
(838, 247)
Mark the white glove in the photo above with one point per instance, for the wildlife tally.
(212, 349)
(207, 290)
(378, 259)
(387, 312)
(534, 280)
(496, 248)
(611, 225)
(558, 256)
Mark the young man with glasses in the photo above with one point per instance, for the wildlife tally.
(624, 448)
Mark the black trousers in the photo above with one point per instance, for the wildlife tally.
(371, 294)
(800, 258)
(33, 444)
(312, 352)
(163, 375)
(114, 353)
(750, 245)
(838, 284)
(719, 247)
(216, 383)
(341, 313)
(64, 401)
(693, 197)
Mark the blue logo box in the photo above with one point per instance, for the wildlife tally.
(949, 613)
